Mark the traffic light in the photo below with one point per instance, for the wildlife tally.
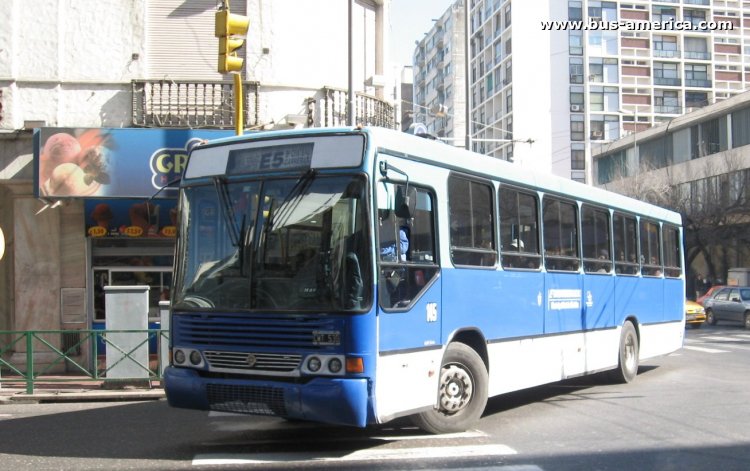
(230, 29)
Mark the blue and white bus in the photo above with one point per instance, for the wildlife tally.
(356, 275)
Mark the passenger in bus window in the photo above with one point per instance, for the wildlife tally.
(388, 251)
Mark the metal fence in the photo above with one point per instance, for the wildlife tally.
(65, 356)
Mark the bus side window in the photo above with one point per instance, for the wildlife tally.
(560, 235)
(650, 248)
(625, 242)
(407, 249)
(472, 223)
(519, 229)
(595, 236)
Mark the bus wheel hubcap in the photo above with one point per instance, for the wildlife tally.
(455, 389)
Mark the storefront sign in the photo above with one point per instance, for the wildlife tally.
(131, 218)
(112, 162)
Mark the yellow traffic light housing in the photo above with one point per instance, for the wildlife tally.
(230, 29)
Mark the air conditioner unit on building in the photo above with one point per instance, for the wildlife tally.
(575, 107)
(597, 133)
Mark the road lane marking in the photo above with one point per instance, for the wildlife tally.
(712, 338)
(703, 349)
(468, 451)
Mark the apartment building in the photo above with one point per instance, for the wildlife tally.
(543, 98)
(439, 77)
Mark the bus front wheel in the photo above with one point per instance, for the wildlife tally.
(462, 392)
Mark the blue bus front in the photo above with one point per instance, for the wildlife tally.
(273, 292)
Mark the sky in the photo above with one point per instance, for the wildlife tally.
(410, 19)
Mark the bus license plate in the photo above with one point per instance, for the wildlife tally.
(326, 337)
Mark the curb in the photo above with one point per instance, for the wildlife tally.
(81, 396)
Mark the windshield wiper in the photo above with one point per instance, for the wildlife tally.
(226, 209)
(299, 188)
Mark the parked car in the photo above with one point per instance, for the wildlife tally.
(709, 294)
(695, 315)
(731, 303)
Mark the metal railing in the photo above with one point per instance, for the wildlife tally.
(65, 356)
(192, 104)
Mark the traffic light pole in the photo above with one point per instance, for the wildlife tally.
(239, 115)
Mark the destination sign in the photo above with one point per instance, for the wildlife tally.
(263, 159)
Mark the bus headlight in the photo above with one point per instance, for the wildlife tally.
(334, 365)
(314, 364)
(195, 358)
(179, 357)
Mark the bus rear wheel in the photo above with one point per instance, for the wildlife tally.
(627, 365)
(462, 392)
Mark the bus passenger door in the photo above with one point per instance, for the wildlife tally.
(409, 299)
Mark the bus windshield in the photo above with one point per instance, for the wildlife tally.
(274, 245)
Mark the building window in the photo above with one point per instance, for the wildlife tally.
(577, 159)
(575, 43)
(575, 10)
(603, 70)
(741, 129)
(576, 70)
(577, 128)
(576, 99)
(696, 99)
(667, 101)
(604, 99)
(663, 14)
(696, 75)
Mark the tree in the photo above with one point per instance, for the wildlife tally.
(712, 194)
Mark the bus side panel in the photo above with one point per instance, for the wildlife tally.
(674, 299)
(564, 313)
(500, 304)
(409, 356)
(638, 297)
(599, 302)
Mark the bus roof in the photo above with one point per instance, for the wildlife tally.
(427, 150)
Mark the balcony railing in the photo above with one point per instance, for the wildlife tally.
(184, 104)
(666, 53)
(704, 56)
(668, 109)
(368, 110)
(670, 82)
(698, 83)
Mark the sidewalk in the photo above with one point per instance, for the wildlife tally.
(71, 389)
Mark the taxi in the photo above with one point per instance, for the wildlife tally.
(695, 315)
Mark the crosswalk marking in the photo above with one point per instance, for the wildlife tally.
(719, 339)
(703, 349)
(466, 451)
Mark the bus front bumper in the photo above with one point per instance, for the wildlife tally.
(341, 401)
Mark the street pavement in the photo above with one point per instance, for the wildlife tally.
(72, 389)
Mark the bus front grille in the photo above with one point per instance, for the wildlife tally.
(251, 362)
(255, 400)
(248, 331)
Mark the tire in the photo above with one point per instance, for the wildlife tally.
(627, 364)
(462, 392)
(747, 320)
(710, 318)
